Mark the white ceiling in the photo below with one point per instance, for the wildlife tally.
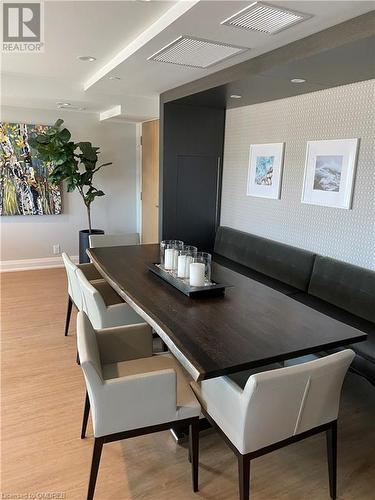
(123, 34)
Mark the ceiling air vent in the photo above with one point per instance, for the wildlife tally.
(266, 18)
(195, 52)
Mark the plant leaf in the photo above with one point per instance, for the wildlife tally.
(58, 123)
(64, 135)
(42, 139)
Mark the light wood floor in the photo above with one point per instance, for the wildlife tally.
(42, 400)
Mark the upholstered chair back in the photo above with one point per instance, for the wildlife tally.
(89, 357)
(113, 240)
(281, 403)
(92, 302)
(74, 289)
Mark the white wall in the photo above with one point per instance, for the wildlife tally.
(32, 237)
(337, 113)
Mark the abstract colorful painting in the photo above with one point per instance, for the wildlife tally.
(264, 170)
(25, 188)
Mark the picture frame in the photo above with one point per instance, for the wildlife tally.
(329, 172)
(25, 186)
(265, 170)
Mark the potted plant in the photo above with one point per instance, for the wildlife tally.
(75, 163)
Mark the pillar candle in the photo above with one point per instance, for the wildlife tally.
(197, 274)
(175, 259)
(189, 260)
(181, 267)
(169, 258)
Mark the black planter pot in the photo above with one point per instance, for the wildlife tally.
(84, 243)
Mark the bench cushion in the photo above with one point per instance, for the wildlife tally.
(337, 313)
(283, 262)
(364, 362)
(255, 275)
(346, 286)
(364, 367)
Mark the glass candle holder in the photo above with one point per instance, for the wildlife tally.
(185, 258)
(200, 269)
(169, 253)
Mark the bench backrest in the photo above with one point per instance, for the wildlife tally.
(285, 263)
(347, 286)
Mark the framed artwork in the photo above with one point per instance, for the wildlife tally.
(25, 188)
(265, 170)
(329, 172)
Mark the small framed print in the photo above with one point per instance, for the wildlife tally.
(265, 170)
(329, 172)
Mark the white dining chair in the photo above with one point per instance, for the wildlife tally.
(74, 290)
(98, 304)
(113, 240)
(130, 398)
(276, 408)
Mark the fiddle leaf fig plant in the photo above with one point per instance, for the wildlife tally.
(74, 162)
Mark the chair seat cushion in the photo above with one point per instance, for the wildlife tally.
(90, 272)
(187, 403)
(110, 297)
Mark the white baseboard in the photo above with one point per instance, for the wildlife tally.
(29, 264)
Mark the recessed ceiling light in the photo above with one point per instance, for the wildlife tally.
(298, 80)
(86, 58)
(114, 78)
(69, 106)
(195, 52)
(236, 96)
(260, 16)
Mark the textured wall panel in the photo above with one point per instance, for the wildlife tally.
(337, 113)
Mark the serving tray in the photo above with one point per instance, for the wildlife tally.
(213, 289)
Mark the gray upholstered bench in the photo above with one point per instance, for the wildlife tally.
(340, 290)
(283, 267)
(346, 293)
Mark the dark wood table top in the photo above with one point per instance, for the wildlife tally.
(251, 325)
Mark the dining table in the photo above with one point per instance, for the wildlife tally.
(249, 326)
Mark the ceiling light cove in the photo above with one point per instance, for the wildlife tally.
(260, 16)
(86, 58)
(111, 113)
(195, 52)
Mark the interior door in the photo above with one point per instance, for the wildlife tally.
(150, 182)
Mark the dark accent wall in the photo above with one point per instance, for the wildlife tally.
(191, 140)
